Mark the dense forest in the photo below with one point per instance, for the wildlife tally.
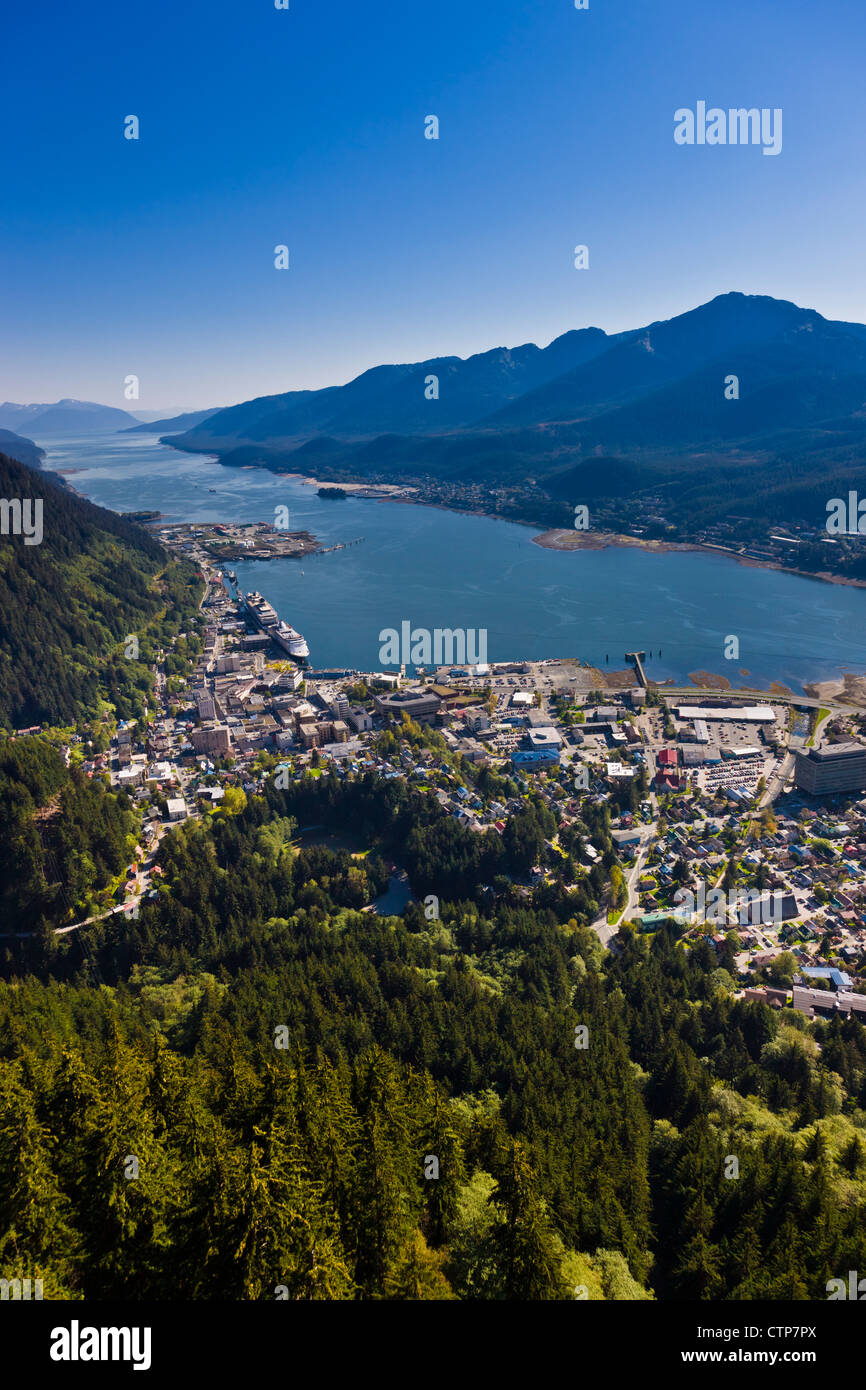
(69, 603)
(258, 1089)
(63, 836)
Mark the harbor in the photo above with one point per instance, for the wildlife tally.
(220, 542)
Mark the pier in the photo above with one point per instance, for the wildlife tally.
(637, 659)
(341, 545)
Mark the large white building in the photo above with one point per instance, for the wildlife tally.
(745, 714)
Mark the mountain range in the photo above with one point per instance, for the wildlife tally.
(64, 417)
(593, 415)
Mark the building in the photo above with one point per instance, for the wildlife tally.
(545, 737)
(476, 719)
(637, 696)
(215, 738)
(619, 772)
(360, 720)
(775, 998)
(205, 704)
(840, 979)
(840, 767)
(755, 907)
(472, 750)
(176, 808)
(343, 752)
(607, 712)
(420, 705)
(826, 1003)
(289, 680)
(535, 757)
(160, 772)
(131, 776)
(746, 714)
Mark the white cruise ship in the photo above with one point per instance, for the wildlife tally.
(290, 640)
(280, 632)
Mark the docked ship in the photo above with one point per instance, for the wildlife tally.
(265, 617)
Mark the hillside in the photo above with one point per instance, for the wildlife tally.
(187, 421)
(68, 603)
(305, 1167)
(654, 398)
(15, 446)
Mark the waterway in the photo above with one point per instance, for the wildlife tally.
(442, 569)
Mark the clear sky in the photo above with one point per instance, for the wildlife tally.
(306, 127)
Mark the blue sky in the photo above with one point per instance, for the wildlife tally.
(306, 127)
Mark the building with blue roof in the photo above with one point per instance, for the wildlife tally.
(839, 979)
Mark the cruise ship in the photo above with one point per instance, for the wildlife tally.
(265, 616)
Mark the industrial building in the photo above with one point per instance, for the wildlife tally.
(747, 714)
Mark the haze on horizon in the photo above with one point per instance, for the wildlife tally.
(306, 128)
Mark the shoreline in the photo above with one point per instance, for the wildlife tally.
(551, 539)
(556, 537)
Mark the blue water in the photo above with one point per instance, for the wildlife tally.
(440, 569)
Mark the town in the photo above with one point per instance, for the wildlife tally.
(665, 800)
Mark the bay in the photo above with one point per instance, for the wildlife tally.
(441, 569)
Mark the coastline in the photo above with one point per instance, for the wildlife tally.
(557, 538)
(554, 538)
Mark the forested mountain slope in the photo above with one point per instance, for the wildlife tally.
(285, 1067)
(69, 601)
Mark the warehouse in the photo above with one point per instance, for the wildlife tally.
(747, 714)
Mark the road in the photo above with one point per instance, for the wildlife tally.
(604, 929)
(139, 884)
(778, 779)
